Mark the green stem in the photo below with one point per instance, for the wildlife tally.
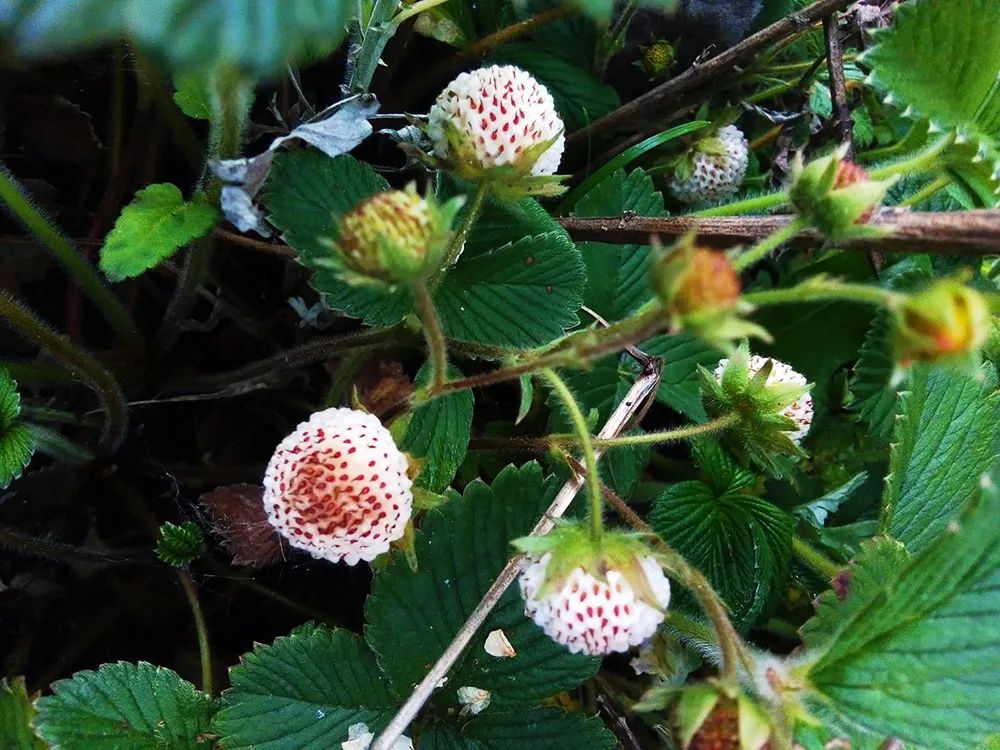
(928, 191)
(922, 161)
(669, 436)
(586, 445)
(33, 328)
(612, 39)
(347, 368)
(757, 204)
(815, 291)
(36, 373)
(437, 348)
(204, 649)
(20, 205)
(368, 43)
(768, 245)
(472, 211)
(53, 444)
(815, 560)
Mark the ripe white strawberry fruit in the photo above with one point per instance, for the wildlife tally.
(799, 411)
(713, 170)
(617, 608)
(337, 487)
(498, 116)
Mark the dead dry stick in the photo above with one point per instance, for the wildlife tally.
(643, 389)
(659, 99)
(958, 233)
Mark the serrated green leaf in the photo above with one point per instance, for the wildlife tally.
(946, 437)
(937, 59)
(618, 275)
(120, 705)
(302, 692)
(460, 548)
(520, 295)
(192, 96)
(741, 543)
(179, 544)
(151, 228)
(535, 729)
(16, 442)
(439, 432)
(579, 96)
(872, 397)
(16, 713)
(306, 193)
(256, 36)
(913, 651)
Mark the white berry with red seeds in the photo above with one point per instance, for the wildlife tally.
(594, 616)
(499, 113)
(338, 487)
(799, 411)
(717, 167)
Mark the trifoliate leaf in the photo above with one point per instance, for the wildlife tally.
(179, 544)
(16, 443)
(438, 432)
(302, 692)
(460, 549)
(580, 97)
(534, 729)
(258, 37)
(741, 543)
(945, 438)
(16, 713)
(120, 705)
(618, 275)
(153, 227)
(912, 649)
(937, 61)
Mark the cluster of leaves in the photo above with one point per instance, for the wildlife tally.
(907, 646)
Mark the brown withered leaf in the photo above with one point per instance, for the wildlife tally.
(384, 386)
(239, 520)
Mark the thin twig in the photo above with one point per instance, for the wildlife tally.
(660, 99)
(260, 246)
(645, 386)
(962, 233)
(838, 82)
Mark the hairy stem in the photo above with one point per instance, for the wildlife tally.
(472, 211)
(437, 348)
(204, 649)
(815, 560)
(414, 10)
(671, 436)
(926, 160)
(596, 507)
(756, 204)
(78, 361)
(21, 207)
(367, 44)
(768, 245)
(815, 291)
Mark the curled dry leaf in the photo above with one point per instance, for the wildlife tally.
(239, 520)
(498, 645)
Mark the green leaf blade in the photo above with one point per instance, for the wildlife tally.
(151, 228)
(303, 692)
(535, 729)
(16, 714)
(946, 437)
(135, 705)
(913, 650)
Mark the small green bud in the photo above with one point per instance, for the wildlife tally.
(179, 544)
(836, 196)
(948, 321)
(658, 58)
